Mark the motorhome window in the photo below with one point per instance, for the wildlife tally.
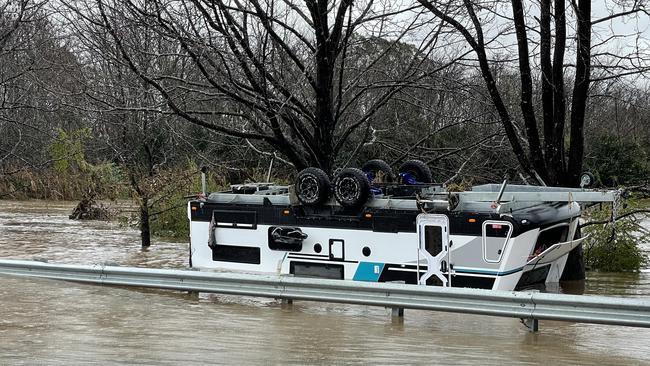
(495, 237)
(552, 235)
(235, 219)
(497, 230)
(433, 239)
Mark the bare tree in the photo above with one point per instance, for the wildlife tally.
(274, 71)
(128, 116)
(32, 61)
(541, 152)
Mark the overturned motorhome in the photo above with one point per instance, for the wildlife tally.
(371, 226)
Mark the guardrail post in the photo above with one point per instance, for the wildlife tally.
(287, 303)
(531, 324)
(397, 313)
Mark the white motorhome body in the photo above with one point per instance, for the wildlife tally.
(494, 238)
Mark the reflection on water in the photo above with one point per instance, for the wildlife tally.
(53, 322)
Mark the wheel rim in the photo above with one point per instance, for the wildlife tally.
(348, 189)
(410, 177)
(309, 188)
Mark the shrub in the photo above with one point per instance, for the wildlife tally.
(616, 247)
(615, 161)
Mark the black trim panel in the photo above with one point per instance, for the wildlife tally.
(394, 272)
(472, 282)
(317, 270)
(390, 275)
(236, 254)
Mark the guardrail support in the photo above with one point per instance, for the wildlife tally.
(396, 312)
(531, 324)
(287, 303)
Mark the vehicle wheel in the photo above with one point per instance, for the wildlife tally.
(587, 180)
(416, 169)
(312, 186)
(378, 171)
(351, 187)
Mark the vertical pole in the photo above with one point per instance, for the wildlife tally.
(204, 185)
(268, 174)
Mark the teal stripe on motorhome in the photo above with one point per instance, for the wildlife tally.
(487, 272)
(368, 271)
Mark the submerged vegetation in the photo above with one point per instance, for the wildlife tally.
(614, 240)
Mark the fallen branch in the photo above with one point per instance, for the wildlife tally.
(602, 222)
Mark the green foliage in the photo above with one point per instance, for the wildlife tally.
(616, 248)
(169, 212)
(170, 219)
(70, 177)
(459, 187)
(68, 149)
(616, 161)
(106, 180)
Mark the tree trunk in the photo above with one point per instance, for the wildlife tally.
(550, 146)
(145, 231)
(556, 158)
(526, 102)
(580, 93)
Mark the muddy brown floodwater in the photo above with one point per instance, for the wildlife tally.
(54, 322)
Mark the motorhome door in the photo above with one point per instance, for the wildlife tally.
(433, 249)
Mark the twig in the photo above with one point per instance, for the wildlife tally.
(602, 222)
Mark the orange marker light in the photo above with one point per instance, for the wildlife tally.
(286, 212)
(471, 220)
(194, 208)
(368, 216)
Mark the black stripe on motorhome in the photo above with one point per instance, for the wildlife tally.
(380, 220)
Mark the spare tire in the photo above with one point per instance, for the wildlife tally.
(351, 187)
(587, 180)
(377, 168)
(418, 170)
(312, 186)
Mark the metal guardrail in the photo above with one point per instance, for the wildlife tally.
(532, 306)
